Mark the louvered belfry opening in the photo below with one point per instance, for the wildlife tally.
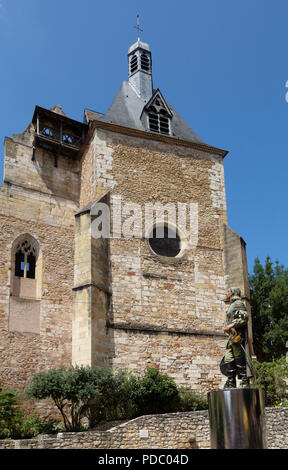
(133, 64)
(145, 62)
(153, 119)
(163, 122)
(158, 119)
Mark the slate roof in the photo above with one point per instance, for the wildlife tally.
(126, 110)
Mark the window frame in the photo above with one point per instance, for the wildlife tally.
(159, 127)
(135, 66)
(25, 255)
(165, 227)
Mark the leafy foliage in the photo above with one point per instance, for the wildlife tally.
(101, 394)
(34, 425)
(113, 400)
(191, 401)
(11, 417)
(272, 378)
(71, 390)
(153, 393)
(12, 422)
(269, 305)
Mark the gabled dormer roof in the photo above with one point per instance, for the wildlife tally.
(158, 101)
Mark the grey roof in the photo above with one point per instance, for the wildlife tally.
(126, 110)
(139, 44)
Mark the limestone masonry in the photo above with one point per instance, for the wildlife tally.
(166, 431)
(70, 297)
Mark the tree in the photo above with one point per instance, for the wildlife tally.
(269, 309)
(71, 390)
(96, 393)
(272, 378)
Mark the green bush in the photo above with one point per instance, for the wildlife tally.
(13, 425)
(272, 378)
(190, 400)
(113, 400)
(34, 425)
(101, 394)
(153, 393)
(11, 416)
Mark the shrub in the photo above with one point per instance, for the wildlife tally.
(272, 378)
(12, 422)
(34, 425)
(101, 394)
(112, 401)
(153, 393)
(190, 400)
(11, 416)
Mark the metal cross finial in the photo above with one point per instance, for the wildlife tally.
(138, 27)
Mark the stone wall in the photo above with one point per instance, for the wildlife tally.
(190, 359)
(29, 344)
(166, 431)
(163, 312)
(37, 199)
(173, 430)
(277, 428)
(129, 308)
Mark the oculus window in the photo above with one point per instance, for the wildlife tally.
(165, 241)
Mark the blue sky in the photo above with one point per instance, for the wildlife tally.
(223, 65)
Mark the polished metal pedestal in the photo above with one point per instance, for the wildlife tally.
(237, 419)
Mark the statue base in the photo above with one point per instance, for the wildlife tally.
(237, 418)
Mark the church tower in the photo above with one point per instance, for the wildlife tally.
(142, 299)
(147, 292)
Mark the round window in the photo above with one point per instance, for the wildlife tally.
(165, 241)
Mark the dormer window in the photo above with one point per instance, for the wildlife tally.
(158, 114)
(158, 120)
(133, 64)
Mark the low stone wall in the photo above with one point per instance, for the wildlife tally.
(166, 431)
(171, 430)
(276, 428)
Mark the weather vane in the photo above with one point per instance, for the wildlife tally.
(138, 27)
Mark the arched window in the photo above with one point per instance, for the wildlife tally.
(26, 272)
(25, 259)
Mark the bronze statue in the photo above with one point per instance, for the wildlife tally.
(236, 361)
